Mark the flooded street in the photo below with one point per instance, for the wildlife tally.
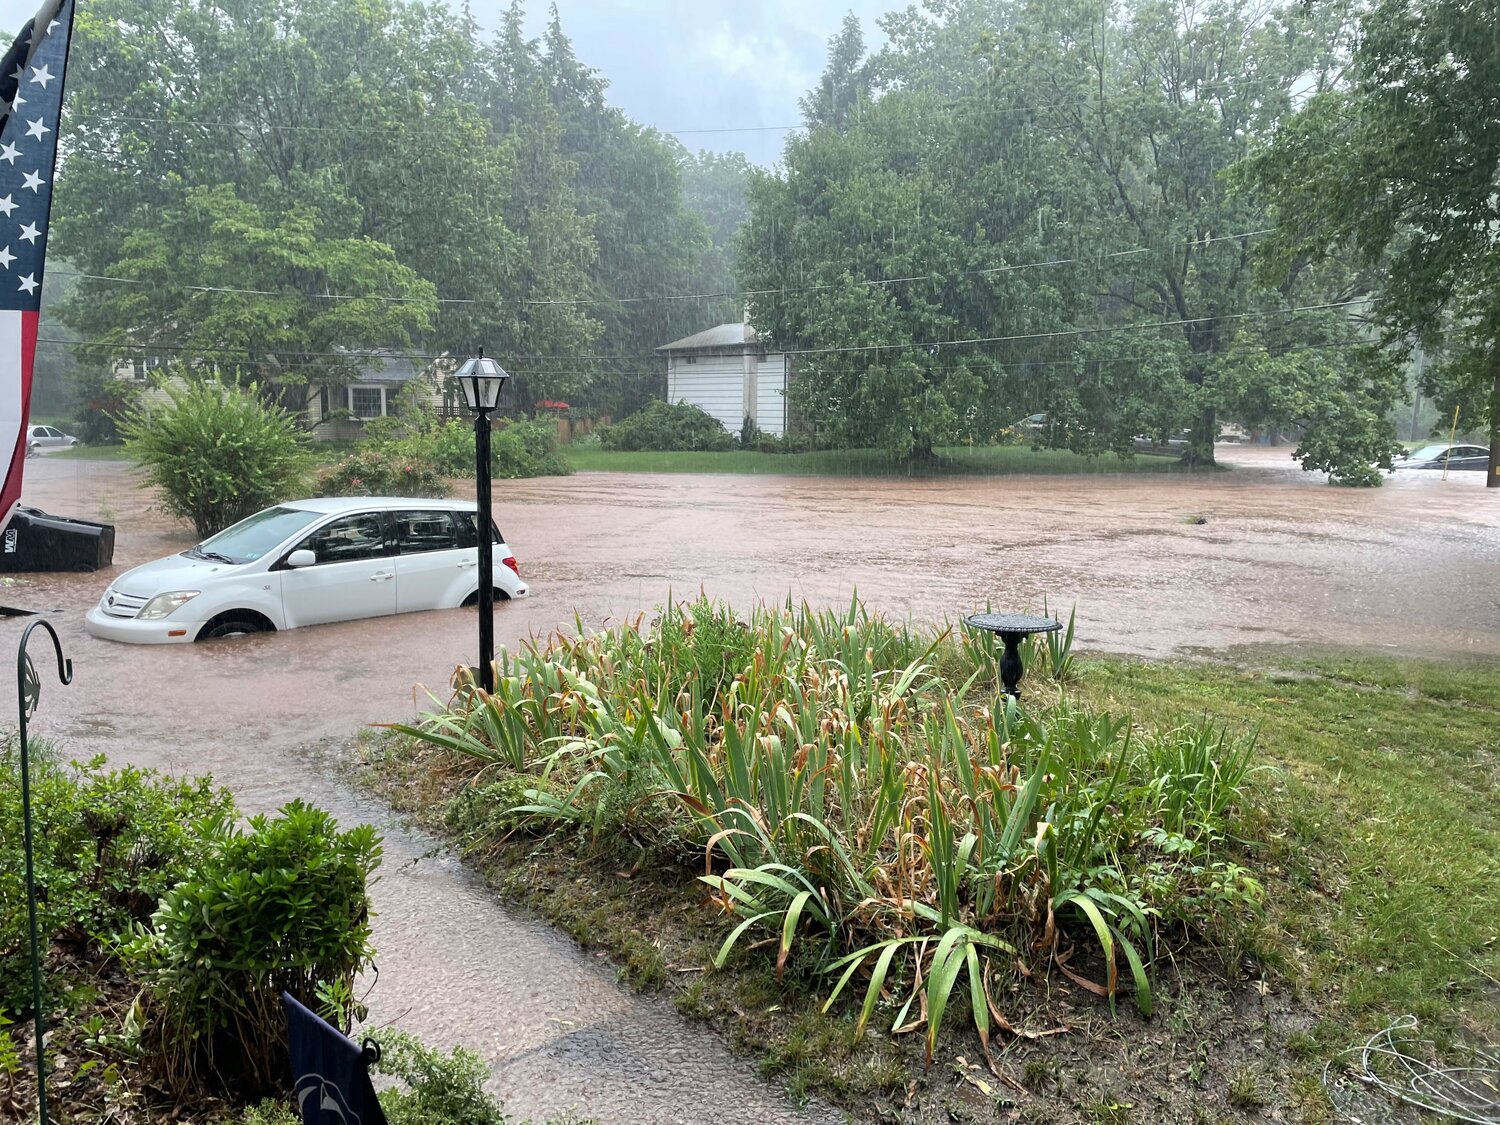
(1281, 560)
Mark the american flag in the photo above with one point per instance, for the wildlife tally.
(31, 90)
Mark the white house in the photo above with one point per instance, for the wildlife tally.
(726, 372)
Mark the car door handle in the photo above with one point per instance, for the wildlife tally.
(382, 576)
(467, 563)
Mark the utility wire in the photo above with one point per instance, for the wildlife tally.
(543, 302)
(935, 346)
(1230, 84)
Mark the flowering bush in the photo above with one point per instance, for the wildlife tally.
(375, 471)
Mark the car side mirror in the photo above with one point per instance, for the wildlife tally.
(301, 558)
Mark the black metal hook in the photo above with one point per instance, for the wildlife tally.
(29, 694)
(26, 677)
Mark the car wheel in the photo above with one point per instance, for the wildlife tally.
(231, 625)
(500, 596)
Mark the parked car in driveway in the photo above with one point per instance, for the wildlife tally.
(1441, 455)
(39, 438)
(306, 563)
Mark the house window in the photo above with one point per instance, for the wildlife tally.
(367, 402)
(690, 359)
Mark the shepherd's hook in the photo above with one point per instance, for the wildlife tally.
(28, 696)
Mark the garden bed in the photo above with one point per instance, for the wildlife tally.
(1249, 993)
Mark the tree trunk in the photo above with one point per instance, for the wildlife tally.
(1492, 474)
(1200, 450)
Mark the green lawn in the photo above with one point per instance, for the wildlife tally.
(953, 461)
(1375, 827)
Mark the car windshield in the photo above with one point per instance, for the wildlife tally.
(1428, 452)
(251, 538)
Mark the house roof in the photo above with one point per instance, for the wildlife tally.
(725, 337)
(382, 365)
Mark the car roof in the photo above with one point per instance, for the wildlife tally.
(335, 505)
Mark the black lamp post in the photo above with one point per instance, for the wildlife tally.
(481, 379)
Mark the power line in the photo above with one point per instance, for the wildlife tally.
(938, 345)
(726, 294)
(930, 346)
(1230, 84)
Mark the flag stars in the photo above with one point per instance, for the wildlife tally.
(33, 181)
(41, 76)
(36, 129)
(15, 106)
(29, 233)
(6, 257)
(9, 154)
(28, 283)
(19, 73)
(7, 205)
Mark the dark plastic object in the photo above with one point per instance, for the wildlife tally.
(36, 542)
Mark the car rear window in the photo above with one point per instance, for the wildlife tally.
(421, 531)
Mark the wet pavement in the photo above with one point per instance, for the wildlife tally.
(1281, 559)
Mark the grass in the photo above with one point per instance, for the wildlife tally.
(1377, 834)
(91, 453)
(953, 461)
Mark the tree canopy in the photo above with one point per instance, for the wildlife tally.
(1030, 212)
(280, 188)
(1400, 170)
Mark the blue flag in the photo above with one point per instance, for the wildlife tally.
(331, 1072)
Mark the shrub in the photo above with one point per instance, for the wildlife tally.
(374, 471)
(108, 845)
(525, 448)
(283, 906)
(437, 1087)
(667, 427)
(218, 452)
(792, 442)
(102, 400)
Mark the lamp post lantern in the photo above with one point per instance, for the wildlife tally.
(481, 379)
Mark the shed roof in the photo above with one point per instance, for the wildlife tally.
(726, 337)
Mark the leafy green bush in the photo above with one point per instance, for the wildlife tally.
(108, 845)
(526, 448)
(437, 1087)
(792, 442)
(102, 399)
(667, 427)
(218, 452)
(282, 906)
(381, 471)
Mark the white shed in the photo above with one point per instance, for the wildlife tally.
(726, 372)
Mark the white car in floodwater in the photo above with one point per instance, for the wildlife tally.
(308, 562)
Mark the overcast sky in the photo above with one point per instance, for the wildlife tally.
(687, 64)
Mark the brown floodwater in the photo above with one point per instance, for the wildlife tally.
(1280, 559)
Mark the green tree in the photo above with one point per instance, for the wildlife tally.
(1401, 171)
(1033, 214)
(845, 85)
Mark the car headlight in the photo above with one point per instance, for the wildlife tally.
(165, 604)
